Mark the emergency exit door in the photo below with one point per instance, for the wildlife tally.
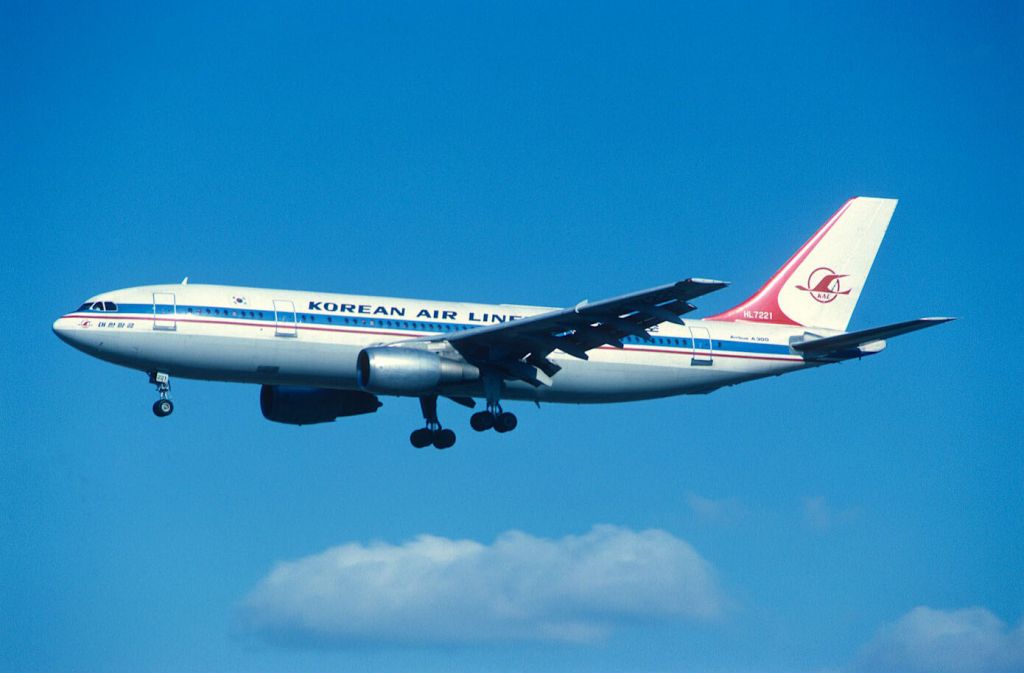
(165, 311)
(701, 352)
(284, 318)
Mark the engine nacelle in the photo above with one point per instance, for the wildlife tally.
(300, 405)
(408, 371)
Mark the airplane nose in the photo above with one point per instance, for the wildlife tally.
(58, 326)
(63, 330)
(79, 334)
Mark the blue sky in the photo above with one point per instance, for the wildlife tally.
(836, 520)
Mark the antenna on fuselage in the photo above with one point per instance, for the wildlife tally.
(184, 281)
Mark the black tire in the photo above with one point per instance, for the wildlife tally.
(163, 408)
(506, 422)
(422, 438)
(444, 439)
(481, 421)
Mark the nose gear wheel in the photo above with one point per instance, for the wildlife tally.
(163, 406)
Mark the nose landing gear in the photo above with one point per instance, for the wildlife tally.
(163, 406)
(441, 438)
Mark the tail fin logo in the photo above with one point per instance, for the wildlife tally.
(824, 285)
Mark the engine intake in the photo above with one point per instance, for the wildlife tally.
(408, 371)
(300, 405)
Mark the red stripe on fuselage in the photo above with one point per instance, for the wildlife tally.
(238, 323)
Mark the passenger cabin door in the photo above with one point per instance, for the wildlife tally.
(284, 318)
(700, 353)
(165, 311)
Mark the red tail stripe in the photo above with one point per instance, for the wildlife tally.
(763, 305)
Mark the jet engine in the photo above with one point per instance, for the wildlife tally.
(408, 371)
(300, 405)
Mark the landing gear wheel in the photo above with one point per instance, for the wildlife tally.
(482, 420)
(444, 439)
(506, 422)
(422, 438)
(163, 406)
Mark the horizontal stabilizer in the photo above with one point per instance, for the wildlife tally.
(853, 340)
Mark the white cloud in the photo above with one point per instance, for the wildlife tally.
(726, 510)
(520, 587)
(926, 640)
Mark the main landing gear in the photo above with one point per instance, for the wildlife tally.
(501, 421)
(163, 406)
(441, 438)
(494, 416)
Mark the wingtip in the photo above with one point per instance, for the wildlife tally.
(707, 281)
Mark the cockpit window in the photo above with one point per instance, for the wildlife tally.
(98, 306)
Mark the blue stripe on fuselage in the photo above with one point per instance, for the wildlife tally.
(167, 312)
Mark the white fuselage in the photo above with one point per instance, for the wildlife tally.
(256, 335)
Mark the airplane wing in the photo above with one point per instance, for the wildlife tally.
(519, 349)
(865, 341)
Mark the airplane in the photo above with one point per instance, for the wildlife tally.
(320, 356)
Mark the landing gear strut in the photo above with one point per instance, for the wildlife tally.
(494, 417)
(163, 406)
(441, 438)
